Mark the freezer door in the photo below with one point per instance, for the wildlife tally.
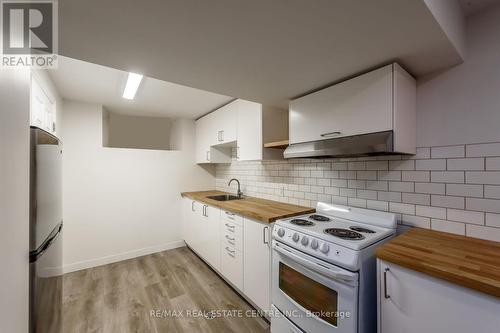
(45, 186)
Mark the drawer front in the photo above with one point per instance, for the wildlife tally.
(229, 239)
(231, 217)
(231, 228)
(232, 265)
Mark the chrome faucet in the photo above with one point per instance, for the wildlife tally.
(239, 188)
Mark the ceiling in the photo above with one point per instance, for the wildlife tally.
(260, 50)
(83, 81)
(471, 7)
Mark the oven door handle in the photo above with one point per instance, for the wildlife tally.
(316, 267)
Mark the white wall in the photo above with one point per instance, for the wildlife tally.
(125, 131)
(462, 105)
(14, 199)
(120, 203)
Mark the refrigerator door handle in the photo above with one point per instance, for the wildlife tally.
(35, 254)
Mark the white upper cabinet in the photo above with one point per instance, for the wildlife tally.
(381, 100)
(225, 123)
(250, 144)
(43, 111)
(240, 128)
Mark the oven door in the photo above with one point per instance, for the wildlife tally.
(315, 295)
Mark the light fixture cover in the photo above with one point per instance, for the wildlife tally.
(133, 82)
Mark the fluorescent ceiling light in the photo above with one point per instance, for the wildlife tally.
(133, 82)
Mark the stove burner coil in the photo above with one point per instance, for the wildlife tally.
(344, 233)
(363, 230)
(320, 218)
(302, 222)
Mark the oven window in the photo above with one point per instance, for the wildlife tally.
(311, 295)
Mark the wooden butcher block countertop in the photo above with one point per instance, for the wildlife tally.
(469, 262)
(255, 208)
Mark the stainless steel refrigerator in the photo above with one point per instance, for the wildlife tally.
(45, 232)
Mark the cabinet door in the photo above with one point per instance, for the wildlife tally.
(210, 237)
(257, 263)
(202, 142)
(232, 265)
(412, 302)
(226, 123)
(249, 131)
(356, 106)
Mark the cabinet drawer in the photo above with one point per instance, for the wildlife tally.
(231, 228)
(232, 217)
(232, 265)
(229, 239)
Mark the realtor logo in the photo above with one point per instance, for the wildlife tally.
(29, 33)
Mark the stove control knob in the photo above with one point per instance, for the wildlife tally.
(295, 237)
(314, 244)
(304, 241)
(281, 232)
(324, 248)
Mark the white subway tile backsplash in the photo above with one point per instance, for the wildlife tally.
(493, 220)
(367, 194)
(447, 177)
(493, 163)
(484, 205)
(389, 196)
(356, 166)
(415, 176)
(401, 187)
(389, 175)
(355, 202)
(466, 216)
(435, 212)
(435, 164)
(465, 190)
(448, 152)
(378, 205)
(377, 185)
(367, 175)
(416, 221)
(377, 165)
(483, 150)
(396, 207)
(465, 164)
(447, 201)
(415, 198)
(402, 165)
(440, 187)
(492, 191)
(483, 177)
(477, 231)
(430, 188)
(448, 226)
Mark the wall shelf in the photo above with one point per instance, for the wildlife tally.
(277, 144)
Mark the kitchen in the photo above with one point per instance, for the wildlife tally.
(347, 187)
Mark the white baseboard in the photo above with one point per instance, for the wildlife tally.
(77, 266)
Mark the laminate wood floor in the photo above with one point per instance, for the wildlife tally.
(120, 298)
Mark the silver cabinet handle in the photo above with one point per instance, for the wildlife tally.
(237, 153)
(229, 250)
(264, 233)
(229, 238)
(386, 295)
(222, 135)
(331, 133)
(192, 206)
(230, 226)
(229, 213)
(208, 155)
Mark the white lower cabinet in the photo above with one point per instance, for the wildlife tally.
(257, 262)
(412, 302)
(201, 230)
(237, 247)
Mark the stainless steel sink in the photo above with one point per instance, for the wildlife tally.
(224, 197)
